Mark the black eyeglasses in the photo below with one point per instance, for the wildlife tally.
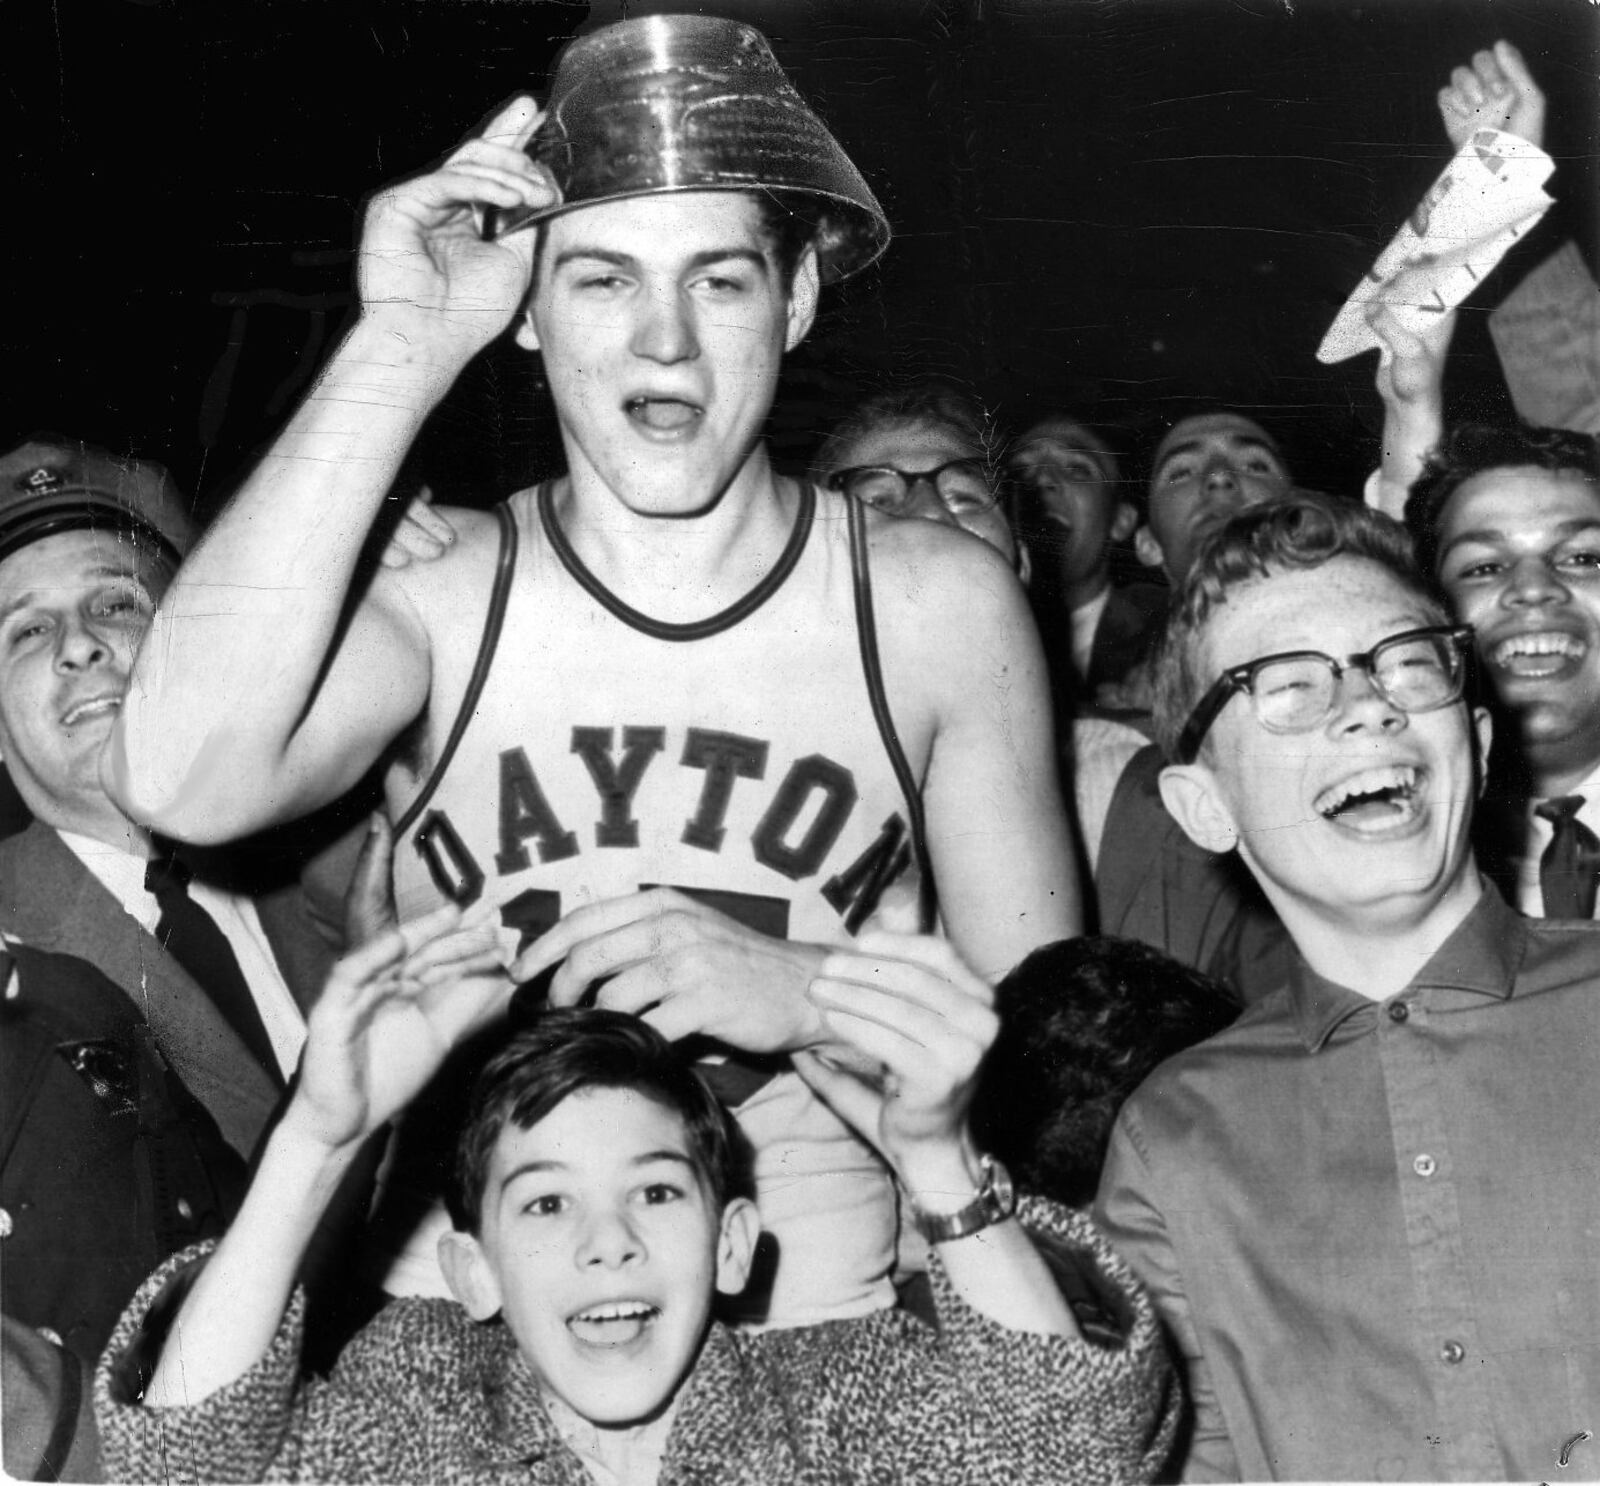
(963, 485)
(1418, 670)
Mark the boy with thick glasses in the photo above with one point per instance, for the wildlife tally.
(1366, 1208)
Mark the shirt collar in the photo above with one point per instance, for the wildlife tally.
(1482, 956)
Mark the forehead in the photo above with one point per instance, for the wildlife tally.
(594, 1130)
(1521, 503)
(661, 229)
(911, 445)
(1057, 436)
(1213, 430)
(72, 560)
(1341, 608)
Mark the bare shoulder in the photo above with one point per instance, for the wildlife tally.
(940, 592)
(450, 591)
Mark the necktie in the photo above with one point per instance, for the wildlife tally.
(191, 936)
(1568, 868)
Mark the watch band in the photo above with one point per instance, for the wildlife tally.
(995, 1201)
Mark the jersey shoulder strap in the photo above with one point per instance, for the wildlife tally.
(493, 622)
(871, 664)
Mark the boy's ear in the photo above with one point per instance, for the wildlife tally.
(1123, 521)
(1483, 729)
(1147, 548)
(1190, 793)
(469, 1274)
(1024, 563)
(803, 294)
(736, 1245)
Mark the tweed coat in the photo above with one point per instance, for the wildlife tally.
(426, 1394)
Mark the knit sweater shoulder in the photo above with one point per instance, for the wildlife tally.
(426, 1394)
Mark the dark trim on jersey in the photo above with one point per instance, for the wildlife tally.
(492, 624)
(698, 629)
(867, 634)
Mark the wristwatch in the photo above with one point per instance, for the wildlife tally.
(995, 1202)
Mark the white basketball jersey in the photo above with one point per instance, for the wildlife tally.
(737, 759)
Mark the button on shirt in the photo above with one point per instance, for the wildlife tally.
(1376, 1236)
(122, 875)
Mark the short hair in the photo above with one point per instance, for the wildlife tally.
(564, 1051)
(790, 223)
(1472, 448)
(1082, 1024)
(927, 400)
(1140, 488)
(1294, 533)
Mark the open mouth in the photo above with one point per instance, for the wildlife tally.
(1546, 653)
(88, 708)
(663, 414)
(614, 1324)
(1374, 800)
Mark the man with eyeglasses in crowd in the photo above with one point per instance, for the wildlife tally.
(1367, 1209)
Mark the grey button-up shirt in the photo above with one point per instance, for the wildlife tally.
(1372, 1226)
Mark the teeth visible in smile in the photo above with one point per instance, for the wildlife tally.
(1396, 782)
(91, 708)
(1546, 642)
(621, 1310)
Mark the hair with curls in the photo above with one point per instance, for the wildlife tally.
(927, 400)
(1082, 1023)
(1471, 448)
(564, 1051)
(1296, 533)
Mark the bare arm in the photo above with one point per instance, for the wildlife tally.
(389, 1014)
(998, 829)
(261, 690)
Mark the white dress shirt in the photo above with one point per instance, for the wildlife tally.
(1085, 621)
(121, 873)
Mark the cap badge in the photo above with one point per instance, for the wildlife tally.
(42, 478)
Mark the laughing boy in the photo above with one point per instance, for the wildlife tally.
(1367, 1209)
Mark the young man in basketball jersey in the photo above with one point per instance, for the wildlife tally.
(630, 708)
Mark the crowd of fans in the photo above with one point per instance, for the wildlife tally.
(1010, 958)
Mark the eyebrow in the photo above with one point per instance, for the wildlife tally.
(644, 1158)
(626, 260)
(100, 570)
(1238, 441)
(1493, 536)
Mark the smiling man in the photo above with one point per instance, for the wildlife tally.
(1357, 1206)
(88, 544)
(680, 721)
(1508, 520)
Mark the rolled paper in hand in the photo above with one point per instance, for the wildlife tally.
(1488, 196)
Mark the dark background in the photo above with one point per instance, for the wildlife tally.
(1110, 206)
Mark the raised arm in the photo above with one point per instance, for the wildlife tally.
(913, 1011)
(266, 687)
(1494, 91)
(388, 1016)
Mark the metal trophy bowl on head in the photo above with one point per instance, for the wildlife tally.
(669, 103)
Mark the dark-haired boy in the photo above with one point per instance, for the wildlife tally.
(1508, 521)
(1082, 1024)
(598, 1212)
(1362, 1208)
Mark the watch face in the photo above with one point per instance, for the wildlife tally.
(999, 1195)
